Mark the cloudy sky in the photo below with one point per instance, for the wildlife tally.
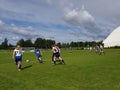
(59, 20)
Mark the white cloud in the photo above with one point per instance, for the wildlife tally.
(18, 31)
(1, 23)
(16, 38)
(83, 20)
(79, 18)
(49, 2)
(1, 38)
(25, 32)
(87, 20)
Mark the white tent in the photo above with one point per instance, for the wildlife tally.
(113, 39)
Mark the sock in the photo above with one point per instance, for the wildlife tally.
(41, 61)
(63, 61)
(20, 66)
(54, 62)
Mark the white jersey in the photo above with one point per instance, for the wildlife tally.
(54, 49)
(101, 47)
(18, 52)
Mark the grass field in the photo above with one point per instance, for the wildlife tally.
(83, 71)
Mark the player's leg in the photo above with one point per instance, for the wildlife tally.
(54, 60)
(38, 57)
(16, 62)
(101, 52)
(62, 60)
(40, 60)
(19, 65)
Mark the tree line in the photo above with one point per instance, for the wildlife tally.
(46, 44)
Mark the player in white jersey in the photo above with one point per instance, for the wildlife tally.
(56, 52)
(101, 49)
(97, 49)
(17, 55)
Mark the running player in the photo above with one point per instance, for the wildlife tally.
(38, 55)
(17, 55)
(101, 49)
(97, 49)
(56, 51)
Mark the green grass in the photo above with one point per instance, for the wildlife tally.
(83, 71)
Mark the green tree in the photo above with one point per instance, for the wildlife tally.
(49, 43)
(40, 43)
(28, 43)
(43, 43)
(59, 44)
(21, 42)
(4, 44)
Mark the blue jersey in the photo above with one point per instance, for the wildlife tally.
(37, 52)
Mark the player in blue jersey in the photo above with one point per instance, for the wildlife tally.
(56, 52)
(38, 55)
(17, 55)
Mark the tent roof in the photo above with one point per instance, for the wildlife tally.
(113, 39)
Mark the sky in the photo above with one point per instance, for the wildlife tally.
(60, 20)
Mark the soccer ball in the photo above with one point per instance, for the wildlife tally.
(27, 60)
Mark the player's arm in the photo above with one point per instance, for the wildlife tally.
(53, 50)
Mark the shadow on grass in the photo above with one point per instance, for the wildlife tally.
(29, 66)
(60, 63)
